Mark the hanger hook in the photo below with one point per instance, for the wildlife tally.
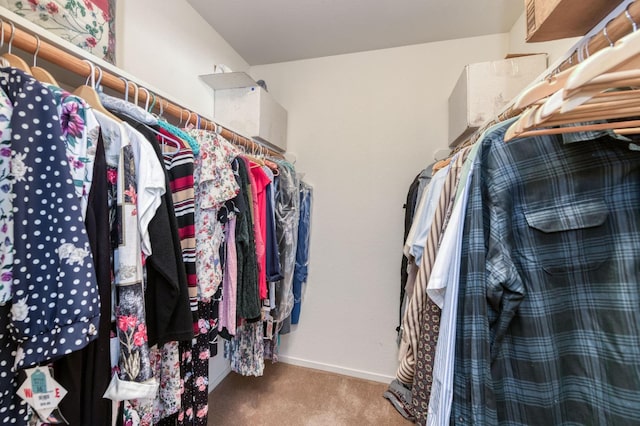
(586, 48)
(126, 88)
(628, 15)
(1, 33)
(198, 122)
(35, 54)
(186, 124)
(147, 98)
(606, 35)
(161, 107)
(13, 33)
(153, 101)
(99, 80)
(136, 92)
(91, 77)
(180, 123)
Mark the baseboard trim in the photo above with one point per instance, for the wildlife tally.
(361, 374)
(215, 381)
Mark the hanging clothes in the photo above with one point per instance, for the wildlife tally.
(215, 184)
(134, 378)
(259, 181)
(30, 325)
(142, 301)
(179, 162)
(287, 214)
(552, 222)
(168, 312)
(274, 270)
(86, 374)
(301, 271)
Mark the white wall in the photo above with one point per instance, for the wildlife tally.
(362, 126)
(167, 44)
(555, 49)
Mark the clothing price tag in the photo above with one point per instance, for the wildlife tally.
(268, 331)
(41, 391)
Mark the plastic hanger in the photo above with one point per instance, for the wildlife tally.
(623, 55)
(13, 60)
(136, 92)
(147, 98)
(40, 73)
(90, 95)
(126, 89)
(153, 104)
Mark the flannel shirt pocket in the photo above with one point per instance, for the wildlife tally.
(570, 236)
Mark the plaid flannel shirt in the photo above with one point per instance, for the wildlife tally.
(548, 325)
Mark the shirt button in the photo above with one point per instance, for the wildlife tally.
(461, 419)
(92, 330)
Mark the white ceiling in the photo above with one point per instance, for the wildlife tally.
(270, 31)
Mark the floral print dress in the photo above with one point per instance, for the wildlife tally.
(215, 184)
(81, 130)
(6, 200)
(134, 376)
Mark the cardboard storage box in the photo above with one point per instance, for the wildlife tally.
(556, 19)
(485, 88)
(246, 108)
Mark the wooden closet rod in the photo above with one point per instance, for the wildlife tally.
(28, 43)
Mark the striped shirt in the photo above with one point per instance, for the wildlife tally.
(548, 324)
(179, 162)
(443, 290)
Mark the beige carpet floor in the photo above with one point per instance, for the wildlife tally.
(288, 395)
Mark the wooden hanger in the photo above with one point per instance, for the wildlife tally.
(13, 60)
(41, 74)
(587, 94)
(542, 90)
(623, 55)
(90, 95)
(440, 165)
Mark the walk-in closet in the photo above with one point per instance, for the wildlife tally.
(319, 213)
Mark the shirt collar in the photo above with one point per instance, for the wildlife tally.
(590, 135)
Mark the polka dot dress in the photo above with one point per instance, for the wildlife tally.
(55, 304)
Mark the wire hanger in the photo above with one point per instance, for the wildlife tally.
(40, 73)
(13, 60)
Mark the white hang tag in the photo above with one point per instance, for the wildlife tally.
(41, 391)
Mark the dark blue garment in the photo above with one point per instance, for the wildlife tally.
(55, 308)
(548, 322)
(274, 271)
(301, 271)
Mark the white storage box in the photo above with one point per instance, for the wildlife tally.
(246, 108)
(484, 89)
